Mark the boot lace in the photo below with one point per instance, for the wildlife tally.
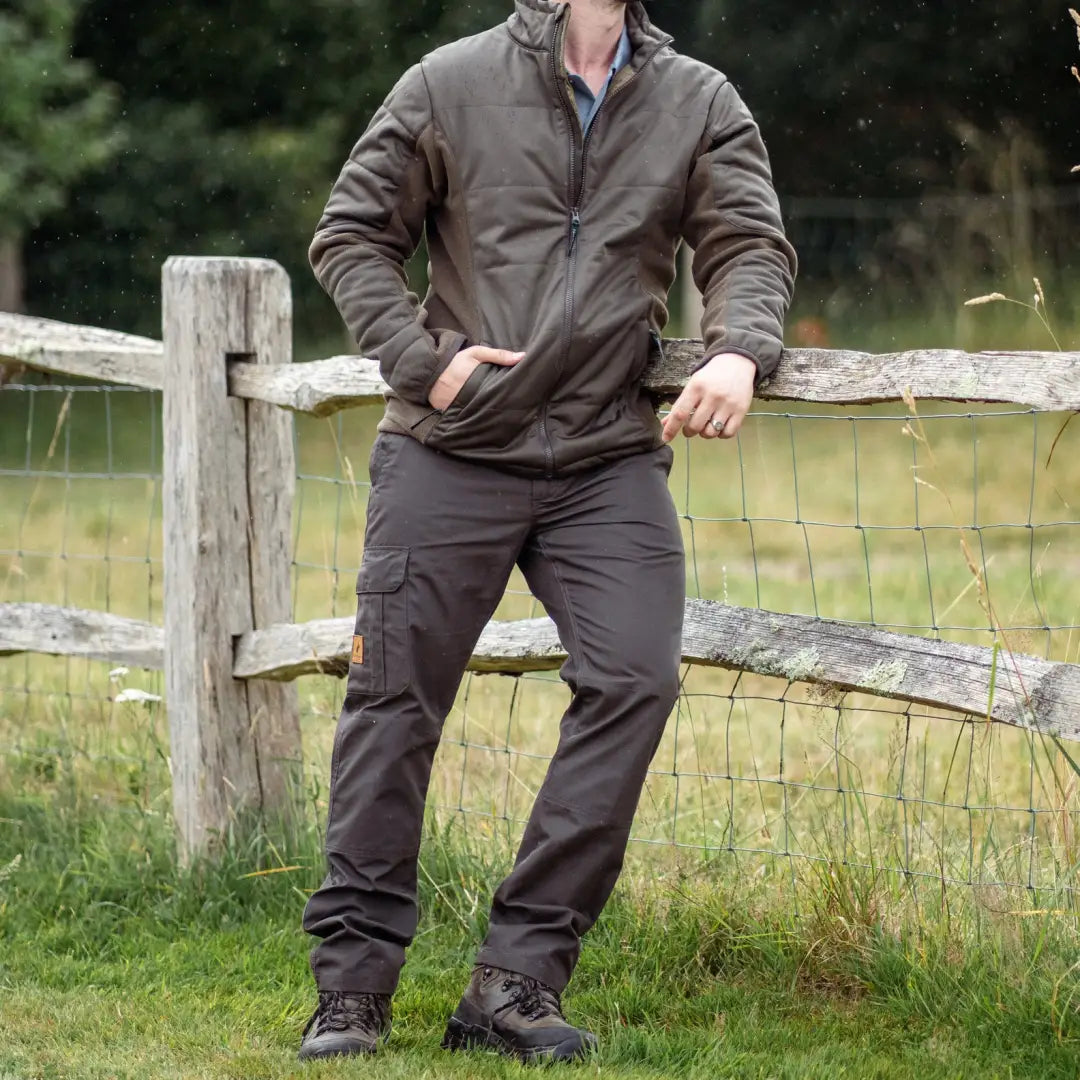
(339, 1011)
(530, 997)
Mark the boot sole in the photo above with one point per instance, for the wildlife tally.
(462, 1036)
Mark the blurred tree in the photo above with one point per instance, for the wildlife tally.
(54, 125)
(875, 99)
(237, 116)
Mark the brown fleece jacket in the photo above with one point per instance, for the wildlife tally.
(548, 242)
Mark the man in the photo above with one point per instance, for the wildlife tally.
(555, 162)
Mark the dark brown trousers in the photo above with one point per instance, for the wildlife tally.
(602, 551)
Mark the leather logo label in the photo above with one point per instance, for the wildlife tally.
(358, 649)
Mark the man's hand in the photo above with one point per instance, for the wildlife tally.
(462, 366)
(722, 391)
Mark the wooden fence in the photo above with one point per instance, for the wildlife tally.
(229, 653)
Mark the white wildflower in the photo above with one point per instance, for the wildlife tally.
(141, 696)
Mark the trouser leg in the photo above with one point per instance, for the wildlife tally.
(606, 559)
(441, 539)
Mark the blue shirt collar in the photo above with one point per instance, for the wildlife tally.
(623, 52)
(588, 104)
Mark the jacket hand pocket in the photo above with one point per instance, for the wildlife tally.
(467, 390)
(381, 663)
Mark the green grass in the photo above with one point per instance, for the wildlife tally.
(765, 928)
(115, 964)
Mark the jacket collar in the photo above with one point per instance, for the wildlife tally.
(533, 25)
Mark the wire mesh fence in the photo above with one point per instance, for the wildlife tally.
(943, 522)
(952, 522)
(80, 487)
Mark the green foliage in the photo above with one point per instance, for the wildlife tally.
(869, 99)
(236, 117)
(115, 963)
(55, 113)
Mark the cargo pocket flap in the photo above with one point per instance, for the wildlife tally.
(383, 570)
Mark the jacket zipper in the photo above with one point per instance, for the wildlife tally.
(577, 189)
(571, 245)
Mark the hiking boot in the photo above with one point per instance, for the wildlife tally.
(346, 1024)
(516, 1015)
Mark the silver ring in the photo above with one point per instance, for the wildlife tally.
(718, 425)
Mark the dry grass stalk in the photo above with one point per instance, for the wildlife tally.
(1040, 296)
(1076, 74)
(916, 431)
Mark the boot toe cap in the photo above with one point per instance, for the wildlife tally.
(335, 1045)
(578, 1045)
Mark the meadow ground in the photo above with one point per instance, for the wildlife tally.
(783, 914)
(115, 965)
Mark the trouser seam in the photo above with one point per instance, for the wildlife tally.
(543, 796)
(579, 653)
(371, 851)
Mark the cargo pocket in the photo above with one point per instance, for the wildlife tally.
(380, 662)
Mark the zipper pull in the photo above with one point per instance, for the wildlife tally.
(575, 226)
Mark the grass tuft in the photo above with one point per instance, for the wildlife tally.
(118, 963)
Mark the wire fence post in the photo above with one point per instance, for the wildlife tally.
(229, 476)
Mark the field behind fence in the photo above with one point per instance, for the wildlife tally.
(943, 522)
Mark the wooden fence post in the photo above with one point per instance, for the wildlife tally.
(229, 477)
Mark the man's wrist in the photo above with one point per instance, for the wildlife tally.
(733, 354)
(743, 354)
(732, 350)
(738, 356)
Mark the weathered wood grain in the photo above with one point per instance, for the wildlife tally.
(1049, 381)
(205, 523)
(323, 646)
(287, 651)
(273, 708)
(1042, 380)
(1029, 692)
(88, 635)
(85, 351)
(319, 387)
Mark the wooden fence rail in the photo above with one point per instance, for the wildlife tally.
(228, 652)
(1040, 380)
(1015, 689)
